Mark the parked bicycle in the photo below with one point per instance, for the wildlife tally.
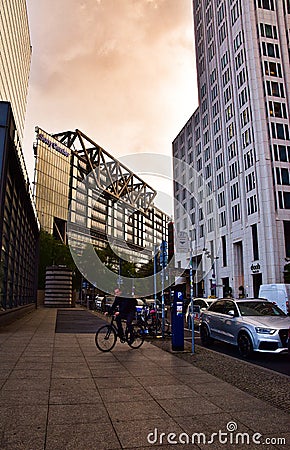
(149, 319)
(106, 336)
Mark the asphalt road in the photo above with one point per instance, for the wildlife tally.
(279, 363)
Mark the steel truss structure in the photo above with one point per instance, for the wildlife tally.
(111, 176)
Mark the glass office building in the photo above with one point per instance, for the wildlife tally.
(82, 189)
(19, 228)
(15, 57)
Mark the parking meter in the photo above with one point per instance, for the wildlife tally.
(177, 323)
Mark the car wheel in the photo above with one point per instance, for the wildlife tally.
(205, 338)
(245, 345)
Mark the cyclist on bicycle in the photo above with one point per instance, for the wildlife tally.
(127, 311)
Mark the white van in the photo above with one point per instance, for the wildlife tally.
(278, 294)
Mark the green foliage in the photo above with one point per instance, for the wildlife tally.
(115, 263)
(53, 252)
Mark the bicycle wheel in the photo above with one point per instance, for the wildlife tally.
(106, 338)
(137, 339)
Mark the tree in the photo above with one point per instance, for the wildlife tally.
(54, 252)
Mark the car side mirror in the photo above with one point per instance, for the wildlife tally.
(231, 313)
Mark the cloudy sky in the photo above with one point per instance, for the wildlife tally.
(122, 71)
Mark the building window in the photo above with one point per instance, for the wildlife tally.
(287, 238)
(222, 219)
(281, 153)
(243, 97)
(220, 180)
(282, 176)
(222, 33)
(226, 77)
(250, 182)
(245, 117)
(252, 205)
(201, 231)
(272, 69)
(232, 150)
(210, 225)
(246, 138)
(229, 112)
(275, 89)
(221, 14)
(249, 159)
(224, 60)
(227, 94)
(230, 131)
(224, 250)
(215, 108)
(218, 143)
(266, 4)
(234, 191)
(236, 213)
(221, 199)
(284, 200)
(269, 31)
(255, 244)
(280, 130)
(234, 170)
(235, 13)
(214, 92)
(219, 162)
(238, 41)
(239, 59)
(207, 171)
(277, 109)
(271, 50)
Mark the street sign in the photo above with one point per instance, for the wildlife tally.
(182, 244)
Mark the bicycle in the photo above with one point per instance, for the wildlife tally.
(106, 336)
(150, 321)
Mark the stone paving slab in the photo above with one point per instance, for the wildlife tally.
(67, 395)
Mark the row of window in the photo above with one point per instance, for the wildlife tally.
(266, 4)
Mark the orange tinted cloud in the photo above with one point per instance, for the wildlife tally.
(120, 70)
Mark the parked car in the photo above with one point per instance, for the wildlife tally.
(277, 293)
(253, 325)
(109, 302)
(140, 305)
(200, 305)
(151, 303)
(289, 341)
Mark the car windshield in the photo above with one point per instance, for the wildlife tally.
(259, 309)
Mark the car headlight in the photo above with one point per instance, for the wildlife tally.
(260, 330)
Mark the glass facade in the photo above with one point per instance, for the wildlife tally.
(52, 180)
(104, 201)
(15, 57)
(19, 230)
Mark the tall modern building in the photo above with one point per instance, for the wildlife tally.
(236, 149)
(15, 57)
(19, 227)
(82, 192)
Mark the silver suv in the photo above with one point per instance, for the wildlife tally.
(251, 324)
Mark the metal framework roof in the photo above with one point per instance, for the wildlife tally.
(111, 176)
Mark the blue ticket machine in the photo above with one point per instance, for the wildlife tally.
(177, 322)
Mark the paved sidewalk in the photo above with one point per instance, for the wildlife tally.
(58, 392)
